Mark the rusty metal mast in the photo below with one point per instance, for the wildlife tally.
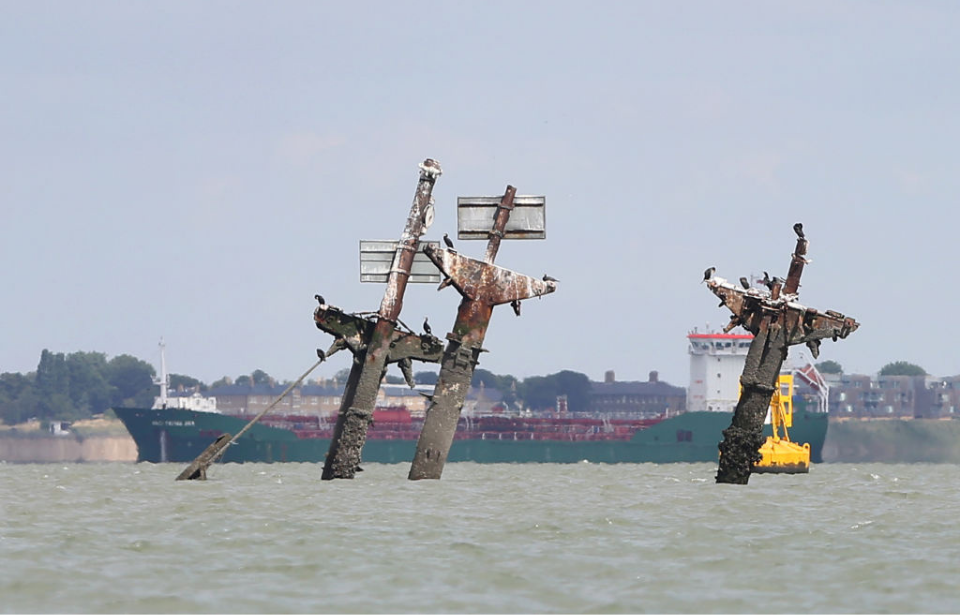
(483, 286)
(373, 344)
(777, 320)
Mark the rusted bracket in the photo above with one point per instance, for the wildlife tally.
(348, 330)
(477, 280)
(424, 347)
(353, 329)
(803, 325)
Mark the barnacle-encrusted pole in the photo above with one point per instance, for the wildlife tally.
(371, 342)
(483, 286)
(777, 321)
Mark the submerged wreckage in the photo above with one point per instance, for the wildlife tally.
(377, 343)
(777, 320)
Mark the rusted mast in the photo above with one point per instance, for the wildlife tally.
(372, 354)
(482, 286)
(777, 321)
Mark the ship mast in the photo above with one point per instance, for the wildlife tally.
(164, 379)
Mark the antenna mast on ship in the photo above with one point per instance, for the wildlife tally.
(164, 379)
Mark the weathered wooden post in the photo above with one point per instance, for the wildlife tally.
(372, 342)
(483, 286)
(777, 321)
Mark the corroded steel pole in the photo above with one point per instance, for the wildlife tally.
(482, 286)
(356, 410)
(777, 321)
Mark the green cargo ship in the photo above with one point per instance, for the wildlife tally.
(179, 435)
(178, 429)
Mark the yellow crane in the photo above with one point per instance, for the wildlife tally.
(780, 455)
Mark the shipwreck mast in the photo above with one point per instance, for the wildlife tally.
(777, 320)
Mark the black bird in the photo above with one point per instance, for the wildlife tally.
(798, 229)
(547, 278)
(744, 283)
(708, 273)
(448, 241)
(766, 279)
(320, 299)
(426, 327)
(515, 304)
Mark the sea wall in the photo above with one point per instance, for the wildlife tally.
(54, 449)
(892, 441)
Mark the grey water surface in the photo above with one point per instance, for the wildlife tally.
(127, 538)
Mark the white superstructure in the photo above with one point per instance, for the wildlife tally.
(716, 362)
(195, 401)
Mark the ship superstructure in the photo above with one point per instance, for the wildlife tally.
(716, 362)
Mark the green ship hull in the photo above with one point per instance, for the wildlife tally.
(174, 435)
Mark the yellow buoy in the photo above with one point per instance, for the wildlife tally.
(780, 455)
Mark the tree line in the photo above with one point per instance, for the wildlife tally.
(79, 385)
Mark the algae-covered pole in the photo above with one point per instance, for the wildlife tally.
(777, 321)
(482, 286)
(356, 410)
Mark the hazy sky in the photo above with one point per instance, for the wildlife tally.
(198, 171)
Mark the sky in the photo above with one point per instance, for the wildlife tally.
(198, 171)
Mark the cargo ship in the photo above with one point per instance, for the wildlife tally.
(178, 432)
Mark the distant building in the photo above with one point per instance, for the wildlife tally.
(311, 399)
(859, 395)
(612, 399)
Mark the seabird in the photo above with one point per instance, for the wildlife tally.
(798, 229)
(744, 283)
(515, 304)
(708, 273)
(448, 241)
(547, 278)
(320, 299)
(766, 279)
(426, 327)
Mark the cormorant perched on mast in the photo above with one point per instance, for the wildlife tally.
(798, 229)
(708, 273)
(426, 327)
(744, 283)
(448, 241)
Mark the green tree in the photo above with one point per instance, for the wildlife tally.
(541, 392)
(18, 399)
(222, 382)
(187, 382)
(25, 406)
(52, 375)
(244, 381)
(88, 389)
(829, 367)
(902, 368)
(132, 381)
(506, 384)
(426, 377)
(261, 377)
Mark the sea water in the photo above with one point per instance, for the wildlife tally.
(591, 538)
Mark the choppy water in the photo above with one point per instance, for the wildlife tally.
(487, 538)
